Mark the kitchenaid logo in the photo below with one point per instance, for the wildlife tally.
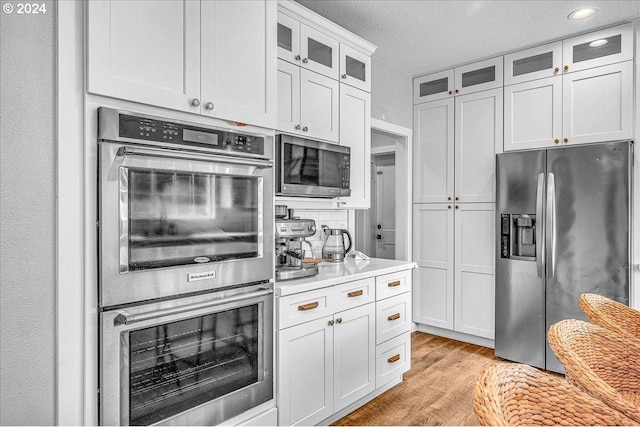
(201, 276)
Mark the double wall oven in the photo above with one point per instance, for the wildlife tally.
(186, 270)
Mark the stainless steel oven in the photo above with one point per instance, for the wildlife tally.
(182, 207)
(198, 360)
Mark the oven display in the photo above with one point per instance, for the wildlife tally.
(180, 365)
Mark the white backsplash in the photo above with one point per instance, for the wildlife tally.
(330, 218)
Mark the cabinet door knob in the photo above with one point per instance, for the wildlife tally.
(450, 92)
(297, 57)
(566, 140)
(305, 60)
(304, 129)
(195, 102)
(457, 207)
(344, 76)
(457, 91)
(209, 105)
(330, 322)
(449, 198)
(449, 207)
(297, 127)
(566, 67)
(555, 70)
(556, 140)
(339, 320)
(457, 198)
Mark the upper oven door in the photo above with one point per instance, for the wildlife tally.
(173, 222)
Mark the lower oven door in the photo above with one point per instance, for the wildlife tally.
(193, 361)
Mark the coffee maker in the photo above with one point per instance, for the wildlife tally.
(291, 234)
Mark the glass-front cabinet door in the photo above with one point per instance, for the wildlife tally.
(433, 87)
(604, 47)
(319, 52)
(479, 76)
(355, 68)
(535, 63)
(288, 38)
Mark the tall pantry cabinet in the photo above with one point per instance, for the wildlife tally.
(458, 131)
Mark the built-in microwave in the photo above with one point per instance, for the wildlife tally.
(309, 168)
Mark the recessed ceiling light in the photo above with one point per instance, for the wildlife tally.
(582, 13)
(596, 43)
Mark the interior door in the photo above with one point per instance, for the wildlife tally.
(385, 209)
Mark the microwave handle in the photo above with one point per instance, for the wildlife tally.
(124, 318)
(178, 154)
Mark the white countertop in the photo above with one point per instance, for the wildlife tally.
(335, 273)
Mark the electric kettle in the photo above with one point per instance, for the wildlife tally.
(334, 245)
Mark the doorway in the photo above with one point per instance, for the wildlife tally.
(383, 230)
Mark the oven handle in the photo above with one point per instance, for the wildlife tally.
(178, 154)
(124, 318)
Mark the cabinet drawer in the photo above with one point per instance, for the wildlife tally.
(356, 293)
(306, 306)
(393, 317)
(393, 358)
(393, 284)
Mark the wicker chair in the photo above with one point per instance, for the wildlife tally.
(603, 363)
(611, 314)
(515, 394)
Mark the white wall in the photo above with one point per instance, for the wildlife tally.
(391, 94)
(27, 226)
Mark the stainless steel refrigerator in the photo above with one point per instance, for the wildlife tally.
(563, 228)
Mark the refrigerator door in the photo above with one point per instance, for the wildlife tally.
(587, 227)
(520, 295)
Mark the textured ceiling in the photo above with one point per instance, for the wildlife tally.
(420, 36)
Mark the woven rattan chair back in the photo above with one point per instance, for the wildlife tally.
(611, 314)
(516, 394)
(604, 363)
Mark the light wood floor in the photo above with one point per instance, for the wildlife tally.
(436, 391)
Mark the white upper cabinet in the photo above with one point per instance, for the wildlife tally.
(598, 104)
(184, 55)
(479, 76)
(303, 45)
(355, 68)
(531, 64)
(433, 87)
(533, 114)
(153, 58)
(599, 48)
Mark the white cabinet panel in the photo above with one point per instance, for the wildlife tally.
(239, 87)
(434, 253)
(598, 104)
(288, 97)
(603, 47)
(354, 355)
(479, 76)
(319, 106)
(355, 132)
(355, 68)
(305, 375)
(531, 64)
(433, 160)
(152, 58)
(475, 269)
(478, 136)
(433, 87)
(533, 114)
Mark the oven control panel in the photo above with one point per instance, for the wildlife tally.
(146, 129)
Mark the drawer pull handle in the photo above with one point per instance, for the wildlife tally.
(393, 359)
(393, 317)
(310, 306)
(394, 284)
(355, 293)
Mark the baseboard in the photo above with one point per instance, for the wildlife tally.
(458, 336)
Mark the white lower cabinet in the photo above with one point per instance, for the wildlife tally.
(454, 282)
(335, 345)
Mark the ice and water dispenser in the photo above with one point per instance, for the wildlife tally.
(518, 236)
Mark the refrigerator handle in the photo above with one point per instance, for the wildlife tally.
(550, 220)
(540, 252)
